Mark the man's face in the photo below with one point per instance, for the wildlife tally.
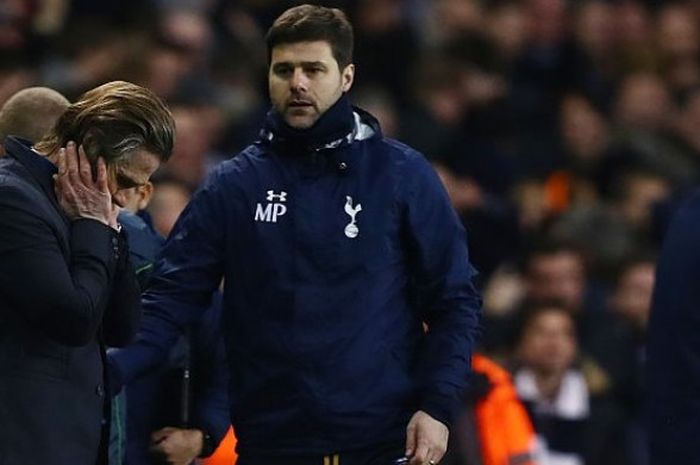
(305, 80)
(125, 178)
(559, 276)
(549, 342)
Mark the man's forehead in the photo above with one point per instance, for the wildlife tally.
(302, 52)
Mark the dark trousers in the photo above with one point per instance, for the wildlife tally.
(380, 455)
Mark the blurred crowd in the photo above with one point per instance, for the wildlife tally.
(566, 134)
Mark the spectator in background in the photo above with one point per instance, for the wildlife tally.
(557, 271)
(634, 27)
(678, 41)
(169, 200)
(594, 33)
(507, 27)
(644, 113)
(30, 114)
(630, 304)
(569, 404)
(493, 427)
(382, 32)
(192, 154)
(67, 284)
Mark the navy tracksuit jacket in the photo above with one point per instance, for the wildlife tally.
(335, 245)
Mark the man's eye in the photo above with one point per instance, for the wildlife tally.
(283, 71)
(125, 182)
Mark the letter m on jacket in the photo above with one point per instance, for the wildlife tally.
(270, 213)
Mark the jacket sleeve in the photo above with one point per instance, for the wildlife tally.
(444, 290)
(188, 271)
(211, 405)
(63, 299)
(123, 312)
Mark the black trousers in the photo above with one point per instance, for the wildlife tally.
(387, 454)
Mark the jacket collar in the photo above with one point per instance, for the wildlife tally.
(339, 126)
(40, 168)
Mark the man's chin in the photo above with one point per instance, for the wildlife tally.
(300, 121)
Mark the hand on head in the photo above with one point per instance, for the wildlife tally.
(80, 193)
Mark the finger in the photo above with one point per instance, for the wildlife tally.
(422, 453)
(64, 189)
(101, 182)
(438, 452)
(62, 168)
(410, 439)
(85, 168)
(72, 163)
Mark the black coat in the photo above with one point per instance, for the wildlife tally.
(673, 353)
(66, 290)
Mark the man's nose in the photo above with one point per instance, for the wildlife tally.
(118, 199)
(299, 82)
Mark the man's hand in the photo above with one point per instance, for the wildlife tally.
(177, 446)
(426, 439)
(81, 195)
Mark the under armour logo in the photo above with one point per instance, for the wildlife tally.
(270, 212)
(351, 230)
(271, 196)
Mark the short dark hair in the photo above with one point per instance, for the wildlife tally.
(530, 311)
(307, 23)
(113, 121)
(31, 113)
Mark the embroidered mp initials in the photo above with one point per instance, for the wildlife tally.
(272, 210)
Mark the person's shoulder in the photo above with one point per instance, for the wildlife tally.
(13, 179)
(686, 208)
(242, 161)
(400, 154)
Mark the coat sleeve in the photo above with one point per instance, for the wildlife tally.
(188, 271)
(211, 404)
(123, 312)
(65, 299)
(444, 289)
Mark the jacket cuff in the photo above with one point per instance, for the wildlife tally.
(209, 444)
(442, 408)
(114, 375)
(90, 237)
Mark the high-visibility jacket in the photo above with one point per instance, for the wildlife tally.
(225, 454)
(506, 434)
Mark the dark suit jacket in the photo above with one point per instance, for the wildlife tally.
(66, 289)
(673, 351)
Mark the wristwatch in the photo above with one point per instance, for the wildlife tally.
(208, 445)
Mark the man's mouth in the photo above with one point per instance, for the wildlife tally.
(300, 104)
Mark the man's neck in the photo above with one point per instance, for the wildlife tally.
(548, 384)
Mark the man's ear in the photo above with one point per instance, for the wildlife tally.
(145, 193)
(348, 77)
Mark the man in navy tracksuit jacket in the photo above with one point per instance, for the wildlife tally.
(335, 245)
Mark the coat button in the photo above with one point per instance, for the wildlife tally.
(100, 390)
(342, 166)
